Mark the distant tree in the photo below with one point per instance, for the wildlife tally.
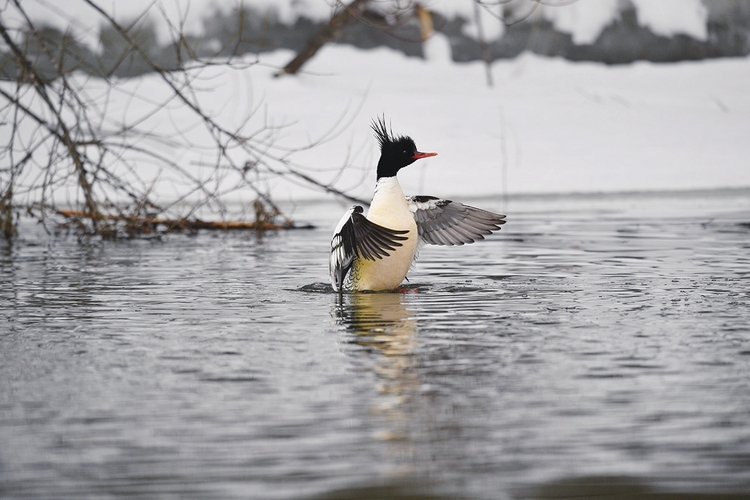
(393, 14)
(344, 14)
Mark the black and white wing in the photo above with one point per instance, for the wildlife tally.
(357, 237)
(446, 222)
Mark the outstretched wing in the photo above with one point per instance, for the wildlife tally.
(357, 237)
(446, 222)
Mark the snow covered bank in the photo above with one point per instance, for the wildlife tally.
(547, 126)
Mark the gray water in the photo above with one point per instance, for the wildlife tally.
(597, 345)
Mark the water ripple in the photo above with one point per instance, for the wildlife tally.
(597, 343)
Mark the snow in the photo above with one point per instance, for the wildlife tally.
(673, 17)
(490, 18)
(584, 19)
(437, 48)
(548, 125)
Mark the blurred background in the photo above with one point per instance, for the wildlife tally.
(608, 31)
(203, 108)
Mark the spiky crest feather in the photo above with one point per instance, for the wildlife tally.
(384, 133)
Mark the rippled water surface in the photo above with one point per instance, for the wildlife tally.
(595, 346)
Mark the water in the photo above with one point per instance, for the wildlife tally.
(596, 346)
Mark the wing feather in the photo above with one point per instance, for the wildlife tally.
(357, 237)
(446, 222)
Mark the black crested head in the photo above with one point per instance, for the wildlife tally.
(396, 152)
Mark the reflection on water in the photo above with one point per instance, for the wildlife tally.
(382, 324)
(597, 347)
(380, 320)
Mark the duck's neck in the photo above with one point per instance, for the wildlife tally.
(388, 206)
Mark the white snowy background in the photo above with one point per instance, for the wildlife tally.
(546, 126)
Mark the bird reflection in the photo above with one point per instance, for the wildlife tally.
(386, 326)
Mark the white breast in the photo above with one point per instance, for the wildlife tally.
(389, 209)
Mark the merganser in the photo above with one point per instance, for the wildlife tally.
(376, 252)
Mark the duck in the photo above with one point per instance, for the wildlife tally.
(375, 252)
